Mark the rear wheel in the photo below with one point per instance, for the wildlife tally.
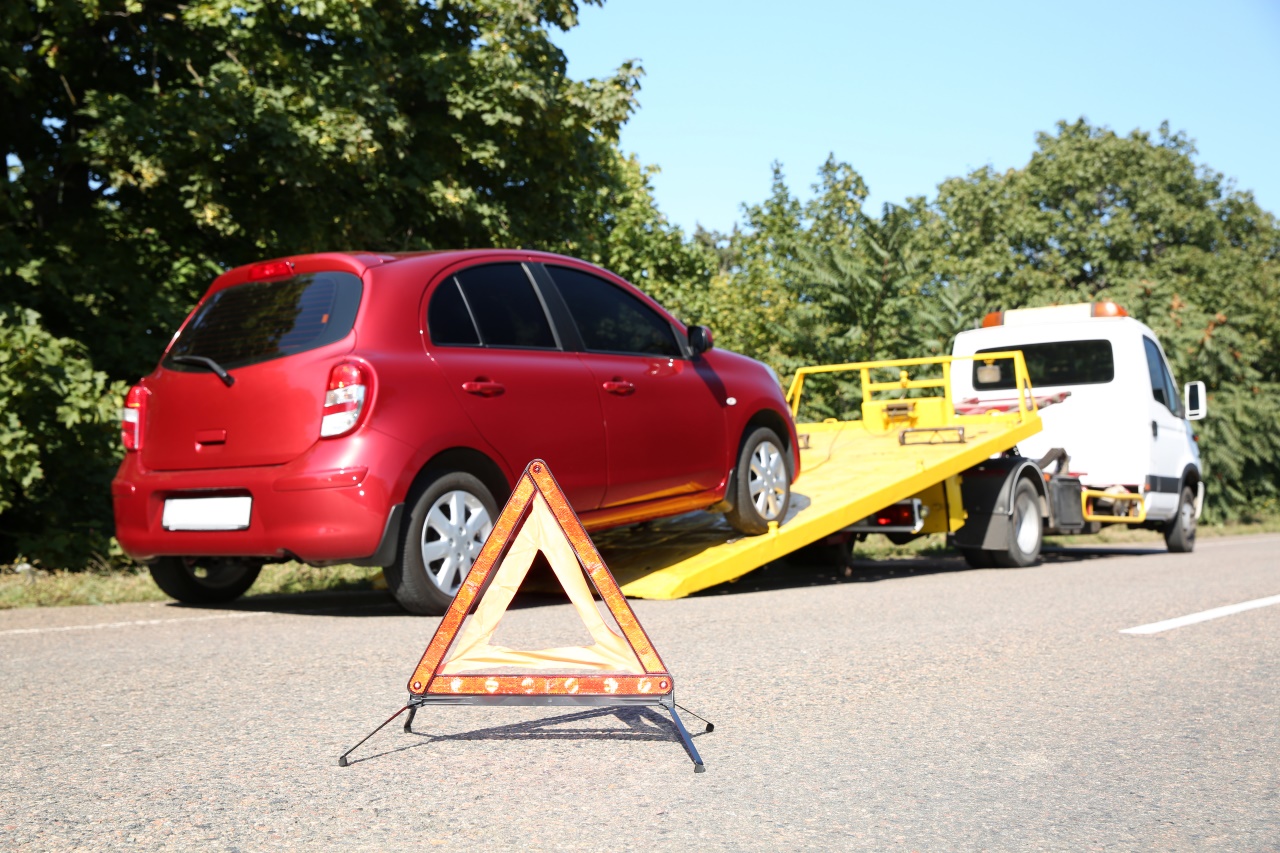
(1180, 531)
(449, 520)
(763, 483)
(1025, 530)
(204, 580)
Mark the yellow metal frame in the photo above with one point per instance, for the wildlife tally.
(849, 470)
(938, 410)
(1086, 494)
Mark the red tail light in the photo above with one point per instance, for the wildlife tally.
(344, 401)
(133, 416)
(898, 515)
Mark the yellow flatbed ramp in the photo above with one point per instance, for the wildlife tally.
(901, 448)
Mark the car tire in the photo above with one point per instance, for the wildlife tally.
(449, 519)
(1025, 530)
(1180, 531)
(204, 580)
(762, 485)
(977, 558)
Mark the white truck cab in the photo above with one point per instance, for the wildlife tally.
(1122, 421)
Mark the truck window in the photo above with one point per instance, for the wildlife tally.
(1162, 387)
(1049, 364)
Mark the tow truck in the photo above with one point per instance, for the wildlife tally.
(930, 454)
(913, 464)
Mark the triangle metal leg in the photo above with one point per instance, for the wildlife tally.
(698, 766)
(342, 759)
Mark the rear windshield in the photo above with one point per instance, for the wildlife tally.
(264, 320)
(1057, 363)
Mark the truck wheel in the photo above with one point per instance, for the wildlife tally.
(1180, 531)
(762, 487)
(449, 521)
(204, 580)
(1025, 530)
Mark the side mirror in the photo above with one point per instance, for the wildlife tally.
(700, 339)
(1194, 401)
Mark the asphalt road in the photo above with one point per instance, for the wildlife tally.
(915, 705)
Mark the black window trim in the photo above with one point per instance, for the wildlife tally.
(563, 315)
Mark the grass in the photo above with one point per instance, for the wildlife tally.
(39, 588)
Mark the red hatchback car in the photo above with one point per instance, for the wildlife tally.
(376, 409)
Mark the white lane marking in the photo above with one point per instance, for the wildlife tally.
(1203, 616)
(129, 624)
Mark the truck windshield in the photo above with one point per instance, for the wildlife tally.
(265, 320)
(1049, 364)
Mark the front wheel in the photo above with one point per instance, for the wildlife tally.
(1025, 530)
(1180, 531)
(762, 487)
(204, 580)
(449, 520)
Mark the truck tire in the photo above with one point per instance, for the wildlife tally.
(1025, 530)
(976, 558)
(1180, 531)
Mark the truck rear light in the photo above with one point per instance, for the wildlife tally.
(344, 401)
(133, 416)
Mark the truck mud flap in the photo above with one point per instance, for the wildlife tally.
(987, 491)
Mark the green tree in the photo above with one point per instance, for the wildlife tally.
(149, 145)
(1095, 215)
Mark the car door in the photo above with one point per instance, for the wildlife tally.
(664, 424)
(1168, 435)
(528, 398)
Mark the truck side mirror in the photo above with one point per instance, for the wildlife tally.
(1194, 401)
(700, 339)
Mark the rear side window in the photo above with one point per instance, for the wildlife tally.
(493, 305)
(1049, 364)
(610, 319)
(265, 320)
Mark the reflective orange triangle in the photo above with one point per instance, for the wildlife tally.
(538, 517)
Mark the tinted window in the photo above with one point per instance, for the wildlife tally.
(506, 307)
(610, 319)
(264, 320)
(448, 319)
(1162, 387)
(1058, 363)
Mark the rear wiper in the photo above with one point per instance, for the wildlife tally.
(227, 378)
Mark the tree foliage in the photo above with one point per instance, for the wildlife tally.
(1093, 215)
(149, 145)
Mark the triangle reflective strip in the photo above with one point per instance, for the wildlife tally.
(538, 517)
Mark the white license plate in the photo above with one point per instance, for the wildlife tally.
(207, 513)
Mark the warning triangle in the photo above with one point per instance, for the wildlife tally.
(461, 658)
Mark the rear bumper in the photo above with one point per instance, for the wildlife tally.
(330, 504)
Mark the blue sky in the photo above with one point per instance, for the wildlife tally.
(912, 93)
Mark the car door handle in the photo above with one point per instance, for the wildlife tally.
(619, 386)
(1155, 430)
(483, 387)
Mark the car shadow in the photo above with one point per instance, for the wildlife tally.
(813, 566)
(637, 724)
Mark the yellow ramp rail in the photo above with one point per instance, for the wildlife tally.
(902, 446)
